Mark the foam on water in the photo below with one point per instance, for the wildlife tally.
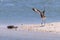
(9, 34)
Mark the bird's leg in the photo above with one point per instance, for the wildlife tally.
(43, 22)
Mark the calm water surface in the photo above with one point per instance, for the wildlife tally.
(20, 11)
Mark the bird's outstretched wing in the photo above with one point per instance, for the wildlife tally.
(36, 10)
(43, 12)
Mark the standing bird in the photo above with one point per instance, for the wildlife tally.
(42, 14)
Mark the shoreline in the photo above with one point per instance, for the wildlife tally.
(49, 27)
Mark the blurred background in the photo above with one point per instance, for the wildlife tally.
(20, 11)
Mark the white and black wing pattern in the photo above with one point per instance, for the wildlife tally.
(41, 13)
(36, 10)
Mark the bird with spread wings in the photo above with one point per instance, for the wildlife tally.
(41, 13)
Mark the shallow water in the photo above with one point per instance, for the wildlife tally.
(20, 11)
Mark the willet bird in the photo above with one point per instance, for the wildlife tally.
(42, 14)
